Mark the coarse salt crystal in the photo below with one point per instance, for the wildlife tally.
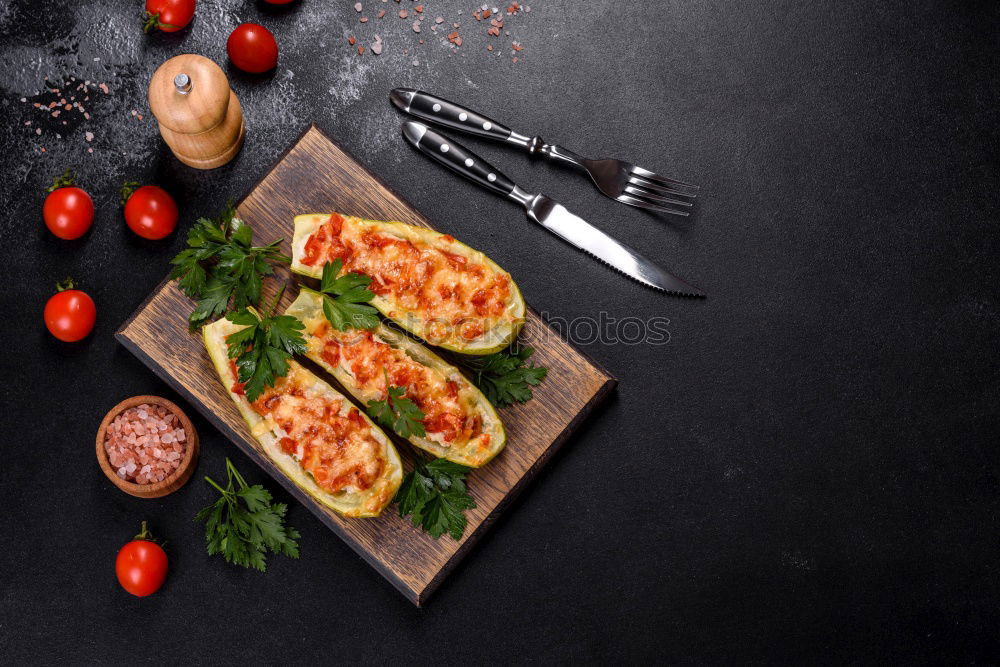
(151, 449)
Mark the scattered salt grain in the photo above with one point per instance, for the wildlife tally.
(357, 7)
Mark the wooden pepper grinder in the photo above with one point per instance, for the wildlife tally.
(199, 115)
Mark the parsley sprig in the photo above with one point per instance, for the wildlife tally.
(397, 412)
(244, 524)
(436, 496)
(345, 299)
(262, 349)
(503, 377)
(221, 264)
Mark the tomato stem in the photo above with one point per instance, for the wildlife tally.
(65, 284)
(125, 192)
(144, 534)
(151, 21)
(67, 180)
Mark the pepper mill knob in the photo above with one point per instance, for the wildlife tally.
(199, 115)
(182, 82)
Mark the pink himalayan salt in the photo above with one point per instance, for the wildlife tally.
(145, 444)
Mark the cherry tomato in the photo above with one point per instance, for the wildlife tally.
(69, 314)
(68, 211)
(168, 15)
(141, 565)
(252, 48)
(150, 211)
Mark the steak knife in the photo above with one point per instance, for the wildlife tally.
(546, 212)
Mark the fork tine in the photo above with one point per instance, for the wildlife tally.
(640, 203)
(652, 197)
(647, 188)
(656, 178)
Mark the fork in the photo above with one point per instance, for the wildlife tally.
(617, 179)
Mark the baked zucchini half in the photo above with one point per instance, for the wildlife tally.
(426, 282)
(459, 422)
(329, 448)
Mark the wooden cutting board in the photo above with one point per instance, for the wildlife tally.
(317, 175)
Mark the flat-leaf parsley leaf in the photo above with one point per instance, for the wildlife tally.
(436, 496)
(243, 524)
(345, 299)
(221, 264)
(503, 377)
(397, 412)
(262, 349)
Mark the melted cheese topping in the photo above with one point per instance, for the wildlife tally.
(456, 295)
(331, 441)
(370, 360)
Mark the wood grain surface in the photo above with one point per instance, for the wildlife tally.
(316, 175)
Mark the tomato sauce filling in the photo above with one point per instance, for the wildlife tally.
(371, 361)
(445, 287)
(337, 450)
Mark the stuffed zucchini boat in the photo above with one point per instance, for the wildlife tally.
(328, 447)
(459, 423)
(428, 283)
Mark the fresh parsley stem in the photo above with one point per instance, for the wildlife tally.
(212, 482)
(274, 303)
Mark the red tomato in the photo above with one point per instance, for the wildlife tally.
(70, 314)
(68, 211)
(252, 48)
(151, 212)
(168, 15)
(141, 565)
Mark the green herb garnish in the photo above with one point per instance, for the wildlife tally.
(345, 299)
(503, 377)
(262, 349)
(397, 412)
(243, 524)
(435, 494)
(221, 264)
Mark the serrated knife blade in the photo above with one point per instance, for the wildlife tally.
(572, 228)
(546, 212)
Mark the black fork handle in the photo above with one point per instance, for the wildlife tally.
(440, 111)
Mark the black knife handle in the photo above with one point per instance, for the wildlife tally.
(442, 112)
(457, 158)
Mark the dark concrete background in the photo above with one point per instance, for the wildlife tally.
(807, 471)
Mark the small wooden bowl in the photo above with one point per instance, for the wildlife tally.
(171, 483)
